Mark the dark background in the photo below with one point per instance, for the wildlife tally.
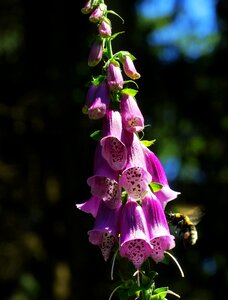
(46, 154)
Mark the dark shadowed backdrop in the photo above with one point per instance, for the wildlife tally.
(46, 154)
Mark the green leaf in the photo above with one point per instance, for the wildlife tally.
(159, 293)
(148, 143)
(161, 289)
(96, 135)
(155, 186)
(155, 297)
(130, 92)
(134, 290)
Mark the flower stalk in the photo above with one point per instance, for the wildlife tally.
(129, 187)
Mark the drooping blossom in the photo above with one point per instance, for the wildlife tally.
(106, 228)
(90, 206)
(155, 168)
(104, 182)
(114, 78)
(159, 232)
(113, 149)
(132, 118)
(95, 53)
(129, 68)
(135, 178)
(98, 13)
(105, 29)
(134, 236)
(97, 101)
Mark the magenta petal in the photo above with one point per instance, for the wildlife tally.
(134, 236)
(157, 172)
(132, 117)
(90, 206)
(159, 232)
(105, 230)
(113, 149)
(104, 182)
(135, 178)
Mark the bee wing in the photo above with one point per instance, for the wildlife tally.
(194, 212)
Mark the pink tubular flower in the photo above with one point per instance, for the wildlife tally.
(104, 182)
(105, 231)
(105, 29)
(132, 117)
(98, 13)
(155, 168)
(114, 78)
(97, 101)
(95, 54)
(159, 233)
(90, 206)
(113, 149)
(135, 178)
(134, 235)
(129, 68)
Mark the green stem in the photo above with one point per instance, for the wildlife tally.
(143, 295)
(109, 48)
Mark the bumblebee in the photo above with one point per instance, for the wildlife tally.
(185, 224)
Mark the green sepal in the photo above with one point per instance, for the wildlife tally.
(96, 135)
(148, 143)
(111, 60)
(95, 3)
(97, 80)
(106, 20)
(122, 54)
(128, 81)
(155, 186)
(130, 92)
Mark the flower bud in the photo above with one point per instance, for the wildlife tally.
(105, 29)
(129, 68)
(95, 54)
(114, 78)
(97, 101)
(88, 8)
(98, 13)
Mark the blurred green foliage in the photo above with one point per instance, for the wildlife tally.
(46, 154)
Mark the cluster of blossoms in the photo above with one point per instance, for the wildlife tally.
(129, 187)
